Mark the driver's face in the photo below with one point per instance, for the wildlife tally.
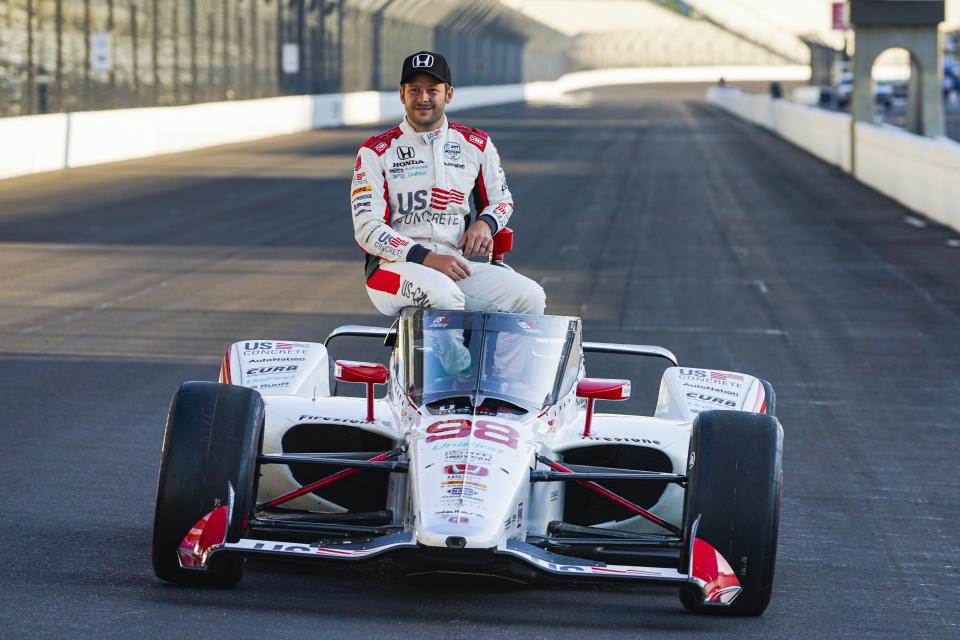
(424, 99)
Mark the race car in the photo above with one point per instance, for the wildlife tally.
(484, 455)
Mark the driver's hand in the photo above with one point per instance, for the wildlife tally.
(454, 267)
(476, 241)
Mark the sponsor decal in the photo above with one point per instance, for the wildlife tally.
(474, 139)
(476, 485)
(272, 385)
(259, 360)
(705, 376)
(398, 242)
(417, 296)
(431, 135)
(356, 167)
(465, 469)
(484, 430)
(529, 327)
(461, 491)
(411, 201)
(718, 375)
(459, 520)
(310, 418)
(441, 321)
(273, 352)
(360, 190)
(451, 150)
(380, 147)
(711, 388)
(703, 397)
(405, 153)
(277, 369)
(440, 198)
(436, 217)
(417, 173)
(405, 163)
(462, 454)
(634, 440)
(360, 175)
(455, 165)
(384, 244)
(260, 380)
(422, 61)
(280, 346)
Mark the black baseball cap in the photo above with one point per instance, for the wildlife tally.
(426, 62)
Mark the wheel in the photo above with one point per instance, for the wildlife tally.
(771, 404)
(734, 484)
(212, 438)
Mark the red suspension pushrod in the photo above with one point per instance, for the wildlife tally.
(339, 475)
(620, 500)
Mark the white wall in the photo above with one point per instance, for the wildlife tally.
(921, 173)
(32, 144)
(57, 141)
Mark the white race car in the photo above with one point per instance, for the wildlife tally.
(484, 456)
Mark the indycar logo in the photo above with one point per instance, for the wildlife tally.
(452, 150)
(461, 454)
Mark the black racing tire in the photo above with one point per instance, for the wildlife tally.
(735, 469)
(213, 436)
(771, 404)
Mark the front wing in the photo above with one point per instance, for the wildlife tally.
(708, 572)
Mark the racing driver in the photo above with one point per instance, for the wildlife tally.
(411, 212)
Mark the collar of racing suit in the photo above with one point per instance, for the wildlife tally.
(435, 139)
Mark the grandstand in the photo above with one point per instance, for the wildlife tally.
(624, 33)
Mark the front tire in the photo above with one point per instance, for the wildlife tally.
(734, 484)
(212, 439)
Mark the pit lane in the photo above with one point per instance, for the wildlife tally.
(656, 218)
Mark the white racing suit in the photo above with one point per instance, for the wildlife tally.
(409, 196)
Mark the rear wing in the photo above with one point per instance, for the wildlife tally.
(389, 336)
(630, 349)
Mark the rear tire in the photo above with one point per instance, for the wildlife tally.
(735, 478)
(212, 438)
(771, 405)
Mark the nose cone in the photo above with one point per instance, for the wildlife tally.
(470, 478)
(458, 532)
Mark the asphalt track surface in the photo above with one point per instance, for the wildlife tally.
(654, 216)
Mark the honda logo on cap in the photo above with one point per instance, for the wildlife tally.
(424, 60)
